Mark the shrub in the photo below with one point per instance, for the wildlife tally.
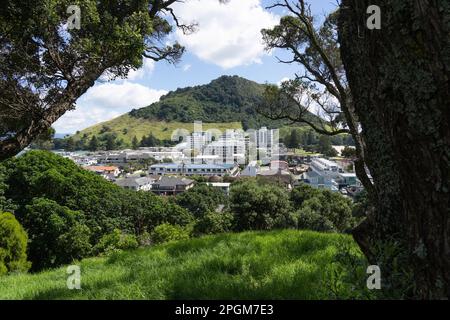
(201, 199)
(311, 220)
(167, 233)
(260, 206)
(322, 210)
(115, 241)
(214, 222)
(57, 234)
(13, 245)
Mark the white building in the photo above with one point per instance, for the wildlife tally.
(194, 169)
(224, 186)
(323, 174)
(233, 146)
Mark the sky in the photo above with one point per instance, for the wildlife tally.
(228, 41)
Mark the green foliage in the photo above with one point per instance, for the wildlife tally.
(83, 207)
(13, 245)
(5, 204)
(57, 234)
(115, 241)
(286, 264)
(167, 233)
(226, 99)
(134, 143)
(322, 210)
(309, 219)
(325, 147)
(141, 127)
(201, 199)
(294, 140)
(260, 206)
(348, 152)
(44, 141)
(149, 141)
(145, 211)
(214, 223)
(93, 144)
(302, 193)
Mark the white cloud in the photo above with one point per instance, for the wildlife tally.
(146, 69)
(228, 35)
(285, 79)
(104, 102)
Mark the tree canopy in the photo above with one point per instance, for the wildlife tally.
(46, 66)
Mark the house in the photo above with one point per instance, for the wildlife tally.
(224, 186)
(282, 177)
(136, 184)
(194, 169)
(172, 186)
(317, 180)
(107, 172)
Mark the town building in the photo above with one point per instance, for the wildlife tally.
(136, 184)
(107, 172)
(224, 186)
(194, 169)
(172, 186)
(323, 174)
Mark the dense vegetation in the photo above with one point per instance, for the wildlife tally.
(70, 213)
(13, 245)
(226, 99)
(125, 128)
(254, 265)
(67, 210)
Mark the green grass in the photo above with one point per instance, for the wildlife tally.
(126, 127)
(255, 265)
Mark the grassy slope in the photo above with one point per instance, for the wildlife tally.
(273, 265)
(140, 127)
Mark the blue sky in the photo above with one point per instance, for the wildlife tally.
(227, 42)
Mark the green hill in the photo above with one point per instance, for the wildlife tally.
(126, 127)
(254, 265)
(226, 99)
(228, 102)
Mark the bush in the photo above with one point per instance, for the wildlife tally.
(322, 210)
(13, 245)
(201, 199)
(116, 241)
(260, 206)
(214, 222)
(311, 220)
(57, 234)
(167, 233)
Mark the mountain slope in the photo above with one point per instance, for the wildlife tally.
(285, 264)
(226, 99)
(126, 127)
(228, 102)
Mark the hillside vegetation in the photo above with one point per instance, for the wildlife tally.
(126, 127)
(253, 265)
(225, 103)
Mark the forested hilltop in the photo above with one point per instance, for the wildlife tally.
(226, 99)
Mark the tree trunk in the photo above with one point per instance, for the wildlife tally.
(399, 79)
